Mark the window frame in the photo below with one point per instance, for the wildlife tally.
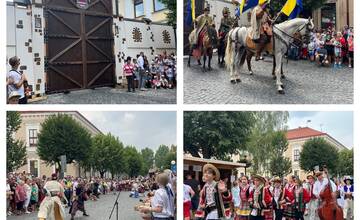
(296, 156)
(137, 2)
(33, 137)
(155, 7)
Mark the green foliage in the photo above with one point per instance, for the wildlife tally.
(148, 159)
(216, 134)
(345, 165)
(171, 15)
(170, 157)
(264, 143)
(133, 161)
(317, 151)
(160, 155)
(279, 165)
(107, 154)
(15, 149)
(62, 135)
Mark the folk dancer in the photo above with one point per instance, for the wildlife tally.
(349, 198)
(302, 197)
(278, 198)
(258, 198)
(289, 195)
(313, 205)
(51, 207)
(259, 17)
(213, 195)
(202, 22)
(244, 198)
(268, 210)
(79, 199)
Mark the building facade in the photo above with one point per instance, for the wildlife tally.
(335, 13)
(297, 138)
(28, 133)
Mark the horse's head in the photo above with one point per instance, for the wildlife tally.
(306, 31)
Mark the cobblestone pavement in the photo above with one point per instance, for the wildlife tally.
(112, 96)
(305, 83)
(99, 210)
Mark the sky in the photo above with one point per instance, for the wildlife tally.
(339, 125)
(137, 128)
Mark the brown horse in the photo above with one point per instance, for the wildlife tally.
(206, 42)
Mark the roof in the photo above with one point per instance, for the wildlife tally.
(219, 163)
(76, 112)
(305, 132)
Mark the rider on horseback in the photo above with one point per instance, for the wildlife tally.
(202, 22)
(227, 22)
(259, 18)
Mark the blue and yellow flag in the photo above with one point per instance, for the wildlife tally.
(190, 17)
(292, 8)
(248, 4)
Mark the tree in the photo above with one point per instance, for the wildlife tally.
(279, 165)
(171, 156)
(148, 159)
(133, 161)
(260, 144)
(318, 152)
(171, 15)
(107, 154)
(160, 155)
(345, 165)
(216, 134)
(62, 135)
(15, 149)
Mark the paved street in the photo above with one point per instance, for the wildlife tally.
(100, 210)
(305, 83)
(112, 96)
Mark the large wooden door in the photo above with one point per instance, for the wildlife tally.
(79, 44)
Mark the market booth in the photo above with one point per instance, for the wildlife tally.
(194, 165)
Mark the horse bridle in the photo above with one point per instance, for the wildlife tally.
(292, 37)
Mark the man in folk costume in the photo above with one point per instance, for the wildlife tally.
(349, 198)
(321, 183)
(213, 195)
(289, 196)
(244, 198)
(51, 207)
(259, 17)
(226, 23)
(301, 198)
(258, 198)
(313, 204)
(202, 22)
(78, 204)
(278, 198)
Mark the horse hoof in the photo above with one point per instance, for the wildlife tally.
(283, 77)
(282, 86)
(233, 81)
(274, 77)
(282, 92)
(251, 73)
(238, 80)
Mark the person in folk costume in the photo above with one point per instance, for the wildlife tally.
(321, 183)
(235, 192)
(313, 205)
(244, 198)
(278, 198)
(301, 198)
(268, 211)
(348, 209)
(289, 196)
(259, 17)
(51, 207)
(201, 23)
(213, 195)
(79, 199)
(226, 23)
(259, 198)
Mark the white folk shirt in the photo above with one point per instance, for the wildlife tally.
(320, 186)
(47, 208)
(162, 199)
(187, 193)
(16, 77)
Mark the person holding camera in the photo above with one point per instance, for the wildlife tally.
(16, 81)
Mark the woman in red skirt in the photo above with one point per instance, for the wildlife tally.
(188, 193)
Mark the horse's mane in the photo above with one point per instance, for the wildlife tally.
(295, 20)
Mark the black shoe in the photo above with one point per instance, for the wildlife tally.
(86, 215)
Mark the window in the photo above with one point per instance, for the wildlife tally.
(33, 137)
(158, 5)
(34, 166)
(296, 155)
(139, 8)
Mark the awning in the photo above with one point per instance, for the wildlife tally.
(218, 163)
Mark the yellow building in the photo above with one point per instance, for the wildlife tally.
(296, 138)
(335, 13)
(28, 133)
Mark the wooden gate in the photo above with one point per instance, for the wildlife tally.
(79, 44)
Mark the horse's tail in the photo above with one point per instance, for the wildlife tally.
(229, 52)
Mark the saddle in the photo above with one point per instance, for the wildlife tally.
(266, 35)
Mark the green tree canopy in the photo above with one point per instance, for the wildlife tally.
(171, 15)
(170, 156)
(148, 158)
(134, 162)
(318, 152)
(345, 165)
(160, 155)
(107, 154)
(279, 165)
(216, 134)
(15, 149)
(62, 135)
